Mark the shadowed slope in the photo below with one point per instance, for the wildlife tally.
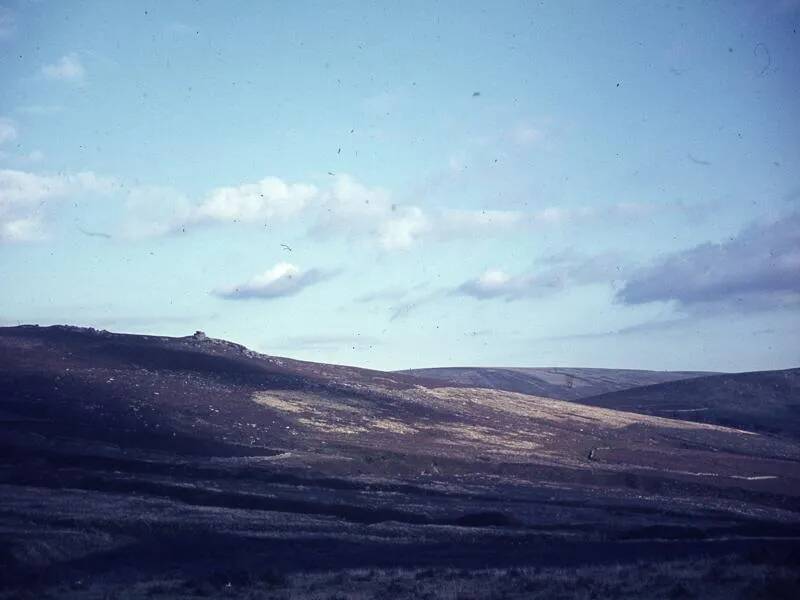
(766, 401)
(560, 383)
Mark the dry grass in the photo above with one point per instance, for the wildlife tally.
(559, 411)
(271, 400)
(392, 425)
(328, 414)
(487, 437)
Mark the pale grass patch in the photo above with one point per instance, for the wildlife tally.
(318, 403)
(469, 434)
(331, 427)
(392, 425)
(273, 401)
(560, 411)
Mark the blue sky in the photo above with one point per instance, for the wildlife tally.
(409, 184)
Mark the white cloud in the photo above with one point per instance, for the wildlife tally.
(496, 283)
(154, 211)
(348, 208)
(23, 187)
(550, 275)
(271, 198)
(26, 229)
(8, 131)
(24, 197)
(353, 209)
(283, 279)
(402, 230)
(556, 215)
(66, 68)
(465, 223)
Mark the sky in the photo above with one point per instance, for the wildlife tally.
(415, 184)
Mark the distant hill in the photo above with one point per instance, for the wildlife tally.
(762, 401)
(559, 383)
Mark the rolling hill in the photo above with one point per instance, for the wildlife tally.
(560, 383)
(198, 462)
(764, 401)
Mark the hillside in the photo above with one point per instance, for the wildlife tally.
(140, 458)
(559, 383)
(765, 401)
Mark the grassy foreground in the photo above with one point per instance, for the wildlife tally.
(724, 578)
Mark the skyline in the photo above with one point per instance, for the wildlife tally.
(559, 184)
